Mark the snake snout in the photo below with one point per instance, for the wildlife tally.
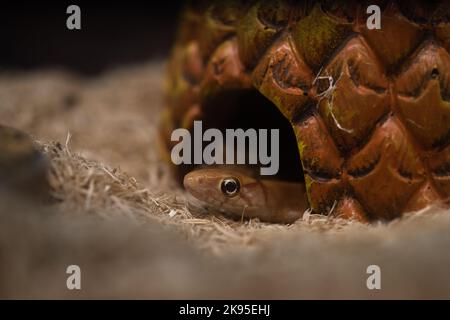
(188, 181)
(192, 182)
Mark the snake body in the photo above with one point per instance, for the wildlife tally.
(241, 196)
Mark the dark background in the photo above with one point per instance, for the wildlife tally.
(34, 35)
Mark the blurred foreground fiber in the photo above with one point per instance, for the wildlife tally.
(117, 213)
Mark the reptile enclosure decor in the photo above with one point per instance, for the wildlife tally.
(363, 119)
(370, 109)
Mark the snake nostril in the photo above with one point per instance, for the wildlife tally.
(188, 181)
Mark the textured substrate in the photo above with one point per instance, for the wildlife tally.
(119, 216)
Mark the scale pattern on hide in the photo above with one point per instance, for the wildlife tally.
(374, 141)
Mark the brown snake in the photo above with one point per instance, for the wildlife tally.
(241, 196)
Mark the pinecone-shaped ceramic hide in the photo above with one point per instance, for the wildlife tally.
(370, 108)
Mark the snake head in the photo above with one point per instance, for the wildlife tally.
(224, 190)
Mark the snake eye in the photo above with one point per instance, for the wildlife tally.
(230, 187)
